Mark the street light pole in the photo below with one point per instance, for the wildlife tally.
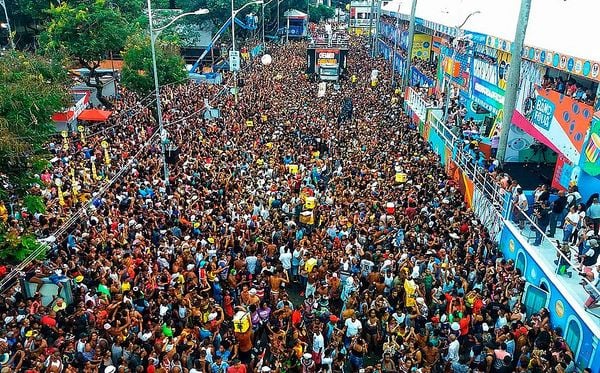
(10, 36)
(153, 36)
(459, 37)
(371, 14)
(514, 74)
(395, 47)
(411, 36)
(233, 14)
(263, 28)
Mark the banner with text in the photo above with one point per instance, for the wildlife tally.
(557, 121)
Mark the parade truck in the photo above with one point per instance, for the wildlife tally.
(327, 61)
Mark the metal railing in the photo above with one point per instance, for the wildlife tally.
(494, 193)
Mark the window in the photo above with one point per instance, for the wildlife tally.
(521, 262)
(573, 336)
(535, 299)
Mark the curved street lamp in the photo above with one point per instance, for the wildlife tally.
(153, 36)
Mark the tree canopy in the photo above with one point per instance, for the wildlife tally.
(86, 31)
(137, 63)
(32, 88)
(321, 12)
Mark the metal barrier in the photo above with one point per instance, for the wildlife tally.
(493, 192)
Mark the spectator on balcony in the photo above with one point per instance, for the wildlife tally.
(593, 214)
(570, 224)
(560, 85)
(557, 212)
(541, 212)
(521, 206)
(571, 88)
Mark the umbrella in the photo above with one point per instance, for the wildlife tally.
(94, 115)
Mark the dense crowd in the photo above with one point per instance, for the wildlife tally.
(288, 239)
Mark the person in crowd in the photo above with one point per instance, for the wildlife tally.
(281, 240)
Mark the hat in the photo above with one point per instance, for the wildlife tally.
(59, 305)
(252, 291)
(4, 358)
(265, 369)
(107, 326)
(420, 300)
(307, 356)
(79, 279)
(212, 316)
(593, 242)
(211, 240)
(334, 318)
(454, 326)
(110, 369)
(485, 327)
(31, 333)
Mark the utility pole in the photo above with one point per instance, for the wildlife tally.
(397, 36)
(514, 75)
(376, 36)
(371, 16)
(409, 46)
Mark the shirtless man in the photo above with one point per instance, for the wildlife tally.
(275, 281)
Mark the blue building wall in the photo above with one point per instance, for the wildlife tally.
(562, 313)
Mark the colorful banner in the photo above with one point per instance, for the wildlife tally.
(487, 95)
(421, 46)
(565, 174)
(437, 43)
(327, 56)
(558, 121)
(503, 63)
(457, 66)
(590, 159)
(420, 79)
(586, 68)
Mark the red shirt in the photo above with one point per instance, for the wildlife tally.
(48, 321)
(237, 369)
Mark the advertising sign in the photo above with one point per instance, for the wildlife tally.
(503, 66)
(326, 56)
(488, 95)
(590, 159)
(558, 121)
(420, 79)
(422, 46)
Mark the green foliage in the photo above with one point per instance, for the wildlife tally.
(220, 10)
(321, 12)
(15, 248)
(32, 88)
(86, 31)
(137, 74)
(34, 204)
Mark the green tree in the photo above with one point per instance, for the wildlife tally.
(137, 74)
(86, 32)
(321, 12)
(32, 88)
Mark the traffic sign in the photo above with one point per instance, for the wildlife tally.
(234, 61)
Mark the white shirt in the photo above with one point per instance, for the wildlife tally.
(574, 217)
(453, 351)
(286, 260)
(352, 327)
(318, 343)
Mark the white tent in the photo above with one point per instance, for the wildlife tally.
(563, 26)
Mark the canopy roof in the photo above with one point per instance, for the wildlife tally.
(94, 115)
(294, 13)
(566, 27)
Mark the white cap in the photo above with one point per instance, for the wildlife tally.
(485, 327)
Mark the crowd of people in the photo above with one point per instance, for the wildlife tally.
(287, 239)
